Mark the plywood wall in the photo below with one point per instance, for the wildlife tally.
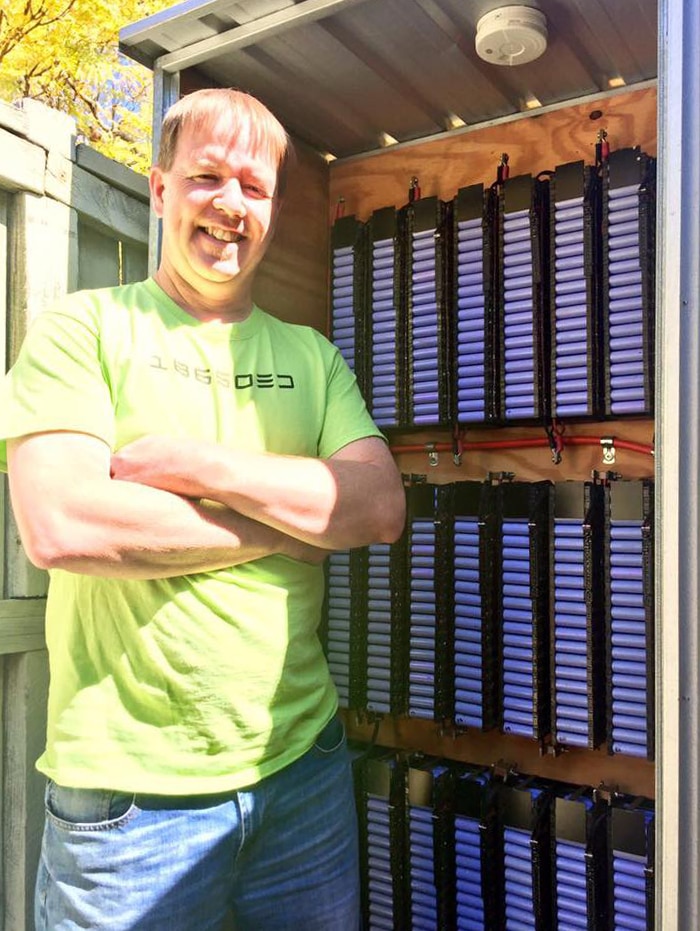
(293, 280)
(519, 754)
(534, 143)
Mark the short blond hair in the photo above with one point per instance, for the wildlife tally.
(202, 107)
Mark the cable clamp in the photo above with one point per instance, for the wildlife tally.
(608, 445)
(433, 455)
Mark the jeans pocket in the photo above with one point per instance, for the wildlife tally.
(331, 738)
(88, 809)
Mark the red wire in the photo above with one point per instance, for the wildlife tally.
(619, 444)
(530, 443)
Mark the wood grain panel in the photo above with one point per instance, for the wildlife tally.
(293, 278)
(584, 767)
(22, 625)
(534, 144)
(25, 687)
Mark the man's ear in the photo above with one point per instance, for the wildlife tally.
(156, 184)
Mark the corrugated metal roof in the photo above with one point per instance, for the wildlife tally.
(342, 73)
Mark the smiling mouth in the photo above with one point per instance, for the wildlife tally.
(222, 235)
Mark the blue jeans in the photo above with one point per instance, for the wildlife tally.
(279, 855)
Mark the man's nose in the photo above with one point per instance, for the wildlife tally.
(230, 199)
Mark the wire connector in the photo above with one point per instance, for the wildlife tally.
(503, 169)
(457, 447)
(555, 435)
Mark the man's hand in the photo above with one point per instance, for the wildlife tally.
(168, 463)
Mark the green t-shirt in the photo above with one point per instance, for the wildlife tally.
(207, 682)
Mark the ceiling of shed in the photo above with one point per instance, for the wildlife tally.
(345, 74)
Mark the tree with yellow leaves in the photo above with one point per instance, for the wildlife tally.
(65, 53)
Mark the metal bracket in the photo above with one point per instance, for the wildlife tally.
(447, 730)
(414, 478)
(499, 478)
(605, 793)
(502, 769)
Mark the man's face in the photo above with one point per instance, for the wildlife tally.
(217, 203)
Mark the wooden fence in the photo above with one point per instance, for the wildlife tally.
(69, 218)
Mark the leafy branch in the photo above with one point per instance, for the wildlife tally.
(65, 53)
(31, 18)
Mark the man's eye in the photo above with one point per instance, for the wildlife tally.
(204, 177)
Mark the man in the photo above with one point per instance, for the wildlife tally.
(181, 462)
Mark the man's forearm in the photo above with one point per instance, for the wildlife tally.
(334, 504)
(124, 530)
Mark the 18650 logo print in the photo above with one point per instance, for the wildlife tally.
(239, 382)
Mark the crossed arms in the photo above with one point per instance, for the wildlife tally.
(165, 507)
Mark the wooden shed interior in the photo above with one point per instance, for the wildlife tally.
(380, 92)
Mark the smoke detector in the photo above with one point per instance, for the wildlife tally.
(511, 35)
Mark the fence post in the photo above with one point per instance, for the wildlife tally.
(23, 725)
(55, 198)
(43, 267)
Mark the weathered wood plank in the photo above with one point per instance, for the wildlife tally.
(116, 175)
(135, 263)
(22, 165)
(22, 579)
(22, 625)
(43, 251)
(3, 926)
(43, 267)
(51, 129)
(98, 258)
(3, 339)
(12, 118)
(111, 209)
(24, 727)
